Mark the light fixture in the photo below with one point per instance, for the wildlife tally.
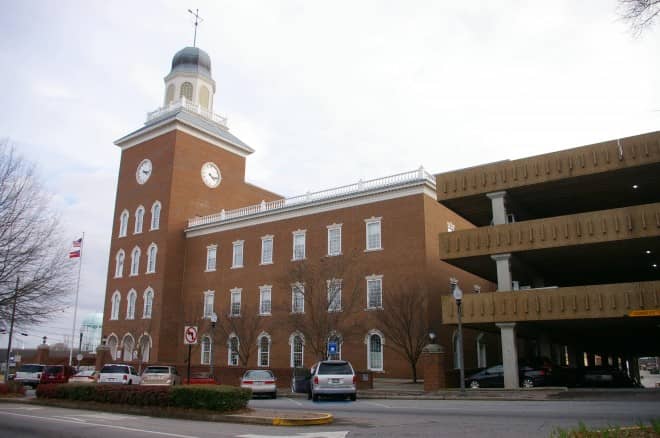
(635, 186)
(655, 265)
(648, 251)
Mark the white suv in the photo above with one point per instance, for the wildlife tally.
(30, 374)
(333, 377)
(119, 373)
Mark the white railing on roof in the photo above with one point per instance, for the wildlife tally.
(189, 106)
(309, 198)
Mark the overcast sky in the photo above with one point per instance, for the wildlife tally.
(326, 92)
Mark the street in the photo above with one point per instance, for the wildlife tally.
(364, 418)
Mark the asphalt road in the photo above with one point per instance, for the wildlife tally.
(382, 418)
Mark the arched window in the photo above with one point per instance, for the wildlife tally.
(204, 97)
(128, 346)
(119, 263)
(375, 343)
(187, 91)
(206, 351)
(456, 346)
(135, 261)
(139, 219)
(297, 343)
(130, 304)
(233, 345)
(123, 223)
(169, 96)
(151, 258)
(144, 347)
(481, 351)
(112, 345)
(116, 301)
(334, 340)
(263, 355)
(148, 303)
(155, 216)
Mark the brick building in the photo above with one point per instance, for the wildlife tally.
(285, 277)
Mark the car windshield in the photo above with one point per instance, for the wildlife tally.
(54, 370)
(258, 375)
(85, 373)
(157, 370)
(335, 368)
(121, 369)
(31, 368)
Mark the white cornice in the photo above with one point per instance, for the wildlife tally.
(172, 124)
(419, 188)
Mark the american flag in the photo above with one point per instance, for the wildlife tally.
(75, 249)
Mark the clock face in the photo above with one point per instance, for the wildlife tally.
(211, 175)
(143, 171)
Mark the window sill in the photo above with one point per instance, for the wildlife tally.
(150, 272)
(298, 260)
(297, 313)
(265, 314)
(237, 267)
(371, 309)
(334, 255)
(209, 270)
(137, 232)
(373, 249)
(335, 310)
(265, 263)
(238, 315)
(134, 275)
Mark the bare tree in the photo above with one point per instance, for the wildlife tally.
(328, 292)
(246, 328)
(404, 324)
(639, 13)
(31, 247)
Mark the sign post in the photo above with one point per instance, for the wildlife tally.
(189, 338)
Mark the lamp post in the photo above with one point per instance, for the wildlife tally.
(432, 337)
(458, 296)
(214, 320)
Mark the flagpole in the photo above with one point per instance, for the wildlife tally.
(75, 309)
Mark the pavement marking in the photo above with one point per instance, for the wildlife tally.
(23, 408)
(378, 404)
(328, 434)
(109, 426)
(294, 401)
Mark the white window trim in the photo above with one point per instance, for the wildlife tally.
(294, 288)
(272, 249)
(238, 350)
(119, 273)
(208, 251)
(135, 272)
(115, 306)
(151, 270)
(208, 293)
(302, 233)
(270, 344)
(291, 346)
(262, 289)
(367, 222)
(123, 223)
(139, 220)
(330, 283)
(235, 245)
(331, 228)
(367, 342)
(160, 210)
(131, 301)
(144, 306)
(374, 277)
(202, 360)
(233, 292)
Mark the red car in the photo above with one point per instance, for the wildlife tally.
(56, 374)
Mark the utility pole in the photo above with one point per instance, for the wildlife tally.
(11, 330)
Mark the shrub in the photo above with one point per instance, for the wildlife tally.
(214, 398)
(12, 388)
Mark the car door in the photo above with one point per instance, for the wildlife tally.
(494, 377)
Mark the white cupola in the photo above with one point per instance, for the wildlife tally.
(190, 78)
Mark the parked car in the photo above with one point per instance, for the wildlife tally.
(604, 377)
(29, 374)
(85, 376)
(119, 373)
(163, 375)
(260, 382)
(301, 379)
(493, 377)
(56, 374)
(201, 378)
(333, 377)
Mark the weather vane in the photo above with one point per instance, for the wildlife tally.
(198, 20)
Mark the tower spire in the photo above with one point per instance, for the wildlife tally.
(198, 20)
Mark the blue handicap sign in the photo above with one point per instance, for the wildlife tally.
(332, 347)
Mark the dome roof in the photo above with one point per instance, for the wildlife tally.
(192, 59)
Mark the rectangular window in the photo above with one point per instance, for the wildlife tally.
(375, 292)
(373, 234)
(211, 254)
(237, 258)
(334, 239)
(298, 298)
(334, 295)
(209, 296)
(267, 250)
(264, 300)
(299, 245)
(235, 304)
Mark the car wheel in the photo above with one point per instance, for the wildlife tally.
(315, 397)
(528, 383)
(309, 395)
(274, 395)
(353, 397)
(474, 384)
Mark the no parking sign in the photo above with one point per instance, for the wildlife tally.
(190, 335)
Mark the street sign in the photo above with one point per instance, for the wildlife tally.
(332, 348)
(190, 335)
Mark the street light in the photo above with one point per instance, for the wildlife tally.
(458, 296)
(214, 320)
(432, 337)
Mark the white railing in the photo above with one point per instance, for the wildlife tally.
(309, 198)
(189, 106)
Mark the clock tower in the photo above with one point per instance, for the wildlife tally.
(183, 162)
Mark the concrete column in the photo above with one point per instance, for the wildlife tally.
(497, 202)
(509, 354)
(103, 356)
(502, 262)
(434, 370)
